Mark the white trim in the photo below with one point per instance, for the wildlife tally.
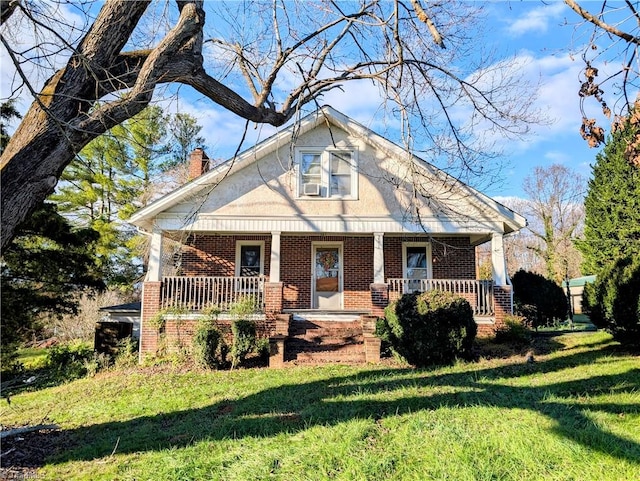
(325, 154)
(154, 265)
(378, 258)
(315, 223)
(240, 244)
(498, 263)
(314, 246)
(274, 261)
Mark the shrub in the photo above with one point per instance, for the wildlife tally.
(434, 327)
(541, 301)
(127, 355)
(244, 340)
(613, 301)
(209, 348)
(69, 361)
(263, 349)
(514, 331)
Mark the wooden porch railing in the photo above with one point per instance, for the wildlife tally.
(479, 293)
(198, 293)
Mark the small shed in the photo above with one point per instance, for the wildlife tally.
(125, 313)
(576, 288)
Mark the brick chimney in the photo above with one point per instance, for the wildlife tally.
(198, 163)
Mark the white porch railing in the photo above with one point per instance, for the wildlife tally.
(479, 293)
(198, 293)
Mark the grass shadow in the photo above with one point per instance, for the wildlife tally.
(292, 408)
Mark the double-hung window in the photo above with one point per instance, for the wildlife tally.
(328, 174)
(249, 258)
(416, 264)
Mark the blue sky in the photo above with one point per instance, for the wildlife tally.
(539, 34)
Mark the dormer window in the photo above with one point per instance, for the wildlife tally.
(327, 174)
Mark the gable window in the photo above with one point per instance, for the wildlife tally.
(249, 258)
(416, 264)
(327, 174)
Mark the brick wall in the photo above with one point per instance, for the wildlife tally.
(452, 257)
(295, 270)
(358, 272)
(178, 334)
(215, 255)
(502, 304)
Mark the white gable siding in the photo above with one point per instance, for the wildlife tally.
(269, 187)
(259, 192)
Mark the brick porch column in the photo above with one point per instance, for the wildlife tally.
(150, 306)
(276, 351)
(372, 348)
(502, 304)
(379, 299)
(272, 303)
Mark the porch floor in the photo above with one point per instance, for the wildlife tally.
(325, 315)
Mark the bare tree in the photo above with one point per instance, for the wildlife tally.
(262, 61)
(555, 211)
(615, 26)
(517, 251)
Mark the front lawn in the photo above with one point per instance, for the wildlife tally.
(573, 414)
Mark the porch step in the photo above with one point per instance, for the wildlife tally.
(316, 342)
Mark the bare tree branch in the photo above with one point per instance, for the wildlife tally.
(266, 74)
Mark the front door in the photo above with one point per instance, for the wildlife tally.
(327, 276)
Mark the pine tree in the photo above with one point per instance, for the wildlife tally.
(185, 133)
(115, 175)
(612, 206)
(8, 112)
(44, 268)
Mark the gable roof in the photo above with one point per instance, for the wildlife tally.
(144, 218)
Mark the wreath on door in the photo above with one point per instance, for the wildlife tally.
(328, 259)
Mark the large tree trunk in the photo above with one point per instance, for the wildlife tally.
(65, 117)
(51, 132)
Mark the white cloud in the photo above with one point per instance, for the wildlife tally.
(536, 20)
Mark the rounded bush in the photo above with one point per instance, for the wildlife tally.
(433, 327)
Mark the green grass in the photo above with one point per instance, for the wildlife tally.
(574, 414)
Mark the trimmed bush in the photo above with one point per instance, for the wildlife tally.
(541, 301)
(433, 327)
(613, 301)
(209, 348)
(244, 340)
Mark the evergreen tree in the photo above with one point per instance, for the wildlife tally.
(8, 112)
(185, 133)
(44, 268)
(115, 175)
(612, 206)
